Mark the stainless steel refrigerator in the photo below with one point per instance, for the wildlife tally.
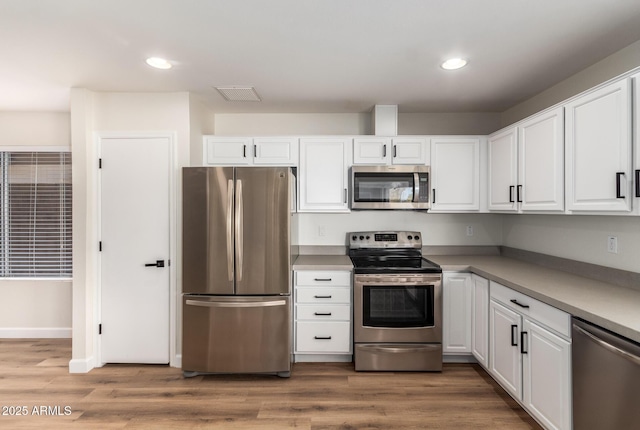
(236, 271)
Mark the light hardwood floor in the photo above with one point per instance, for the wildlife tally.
(34, 373)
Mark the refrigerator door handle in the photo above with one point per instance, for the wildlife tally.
(239, 220)
(254, 304)
(230, 229)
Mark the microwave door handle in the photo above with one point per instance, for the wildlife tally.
(416, 187)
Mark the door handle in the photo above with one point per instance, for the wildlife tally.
(511, 188)
(514, 335)
(618, 190)
(158, 263)
(518, 196)
(522, 342)
(638, 183)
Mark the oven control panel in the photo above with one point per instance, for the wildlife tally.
(384, 239)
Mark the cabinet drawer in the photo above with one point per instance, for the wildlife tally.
(323, 337)
(549, 316)
(328, 295)
(323, 277)
(323, 312)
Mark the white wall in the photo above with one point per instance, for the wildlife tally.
(577, 237)
(448, 123)
(91, 113)
(201, 123)
(48, 313)
(436, 229)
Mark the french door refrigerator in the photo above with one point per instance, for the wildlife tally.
(236, 271)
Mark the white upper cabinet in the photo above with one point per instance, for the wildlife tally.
(598, 150)
(503, 170)
(526, 165)
(455, 174)
(636, 148)
(541, 162)
(324, 174)
(239, 151)
(385, 150)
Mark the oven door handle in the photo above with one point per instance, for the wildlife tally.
(399, 349)
(399, 279)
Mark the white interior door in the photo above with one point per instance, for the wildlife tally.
(134, 232)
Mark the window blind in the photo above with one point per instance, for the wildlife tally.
(35, 214)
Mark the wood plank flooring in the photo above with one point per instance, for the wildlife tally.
(34, 373)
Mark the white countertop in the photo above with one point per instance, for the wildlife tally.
(322, 262)
(607, 305)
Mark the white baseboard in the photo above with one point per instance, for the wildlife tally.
(35, 333)
(77, 365)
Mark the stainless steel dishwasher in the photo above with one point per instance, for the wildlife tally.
(606, 379)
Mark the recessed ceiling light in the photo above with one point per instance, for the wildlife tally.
(159, 63)
(454, 63)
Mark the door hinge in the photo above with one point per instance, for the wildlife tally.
(100, 246)
(99, 328)
(99, 163)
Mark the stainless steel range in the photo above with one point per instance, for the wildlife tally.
(397, 303)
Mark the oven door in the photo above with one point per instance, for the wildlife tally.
(398, 308)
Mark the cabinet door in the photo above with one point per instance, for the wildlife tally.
(547, 376)
(227, 150)
(480, 319)
(410, 150)
(279, 151)
(598, 150)
(505, 363)
(323, 178)
(371, 150)
(455, 174)
(636, 148)
(541, 162)
(456, 313)
(503, 175)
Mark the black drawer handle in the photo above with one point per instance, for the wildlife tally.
(522, 342)
(322, 297)
(322, 337)
(515, 302)
(514, 335)
(322, 279)
(322, 314)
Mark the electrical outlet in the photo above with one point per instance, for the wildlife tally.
(469, 230)
(612, 244)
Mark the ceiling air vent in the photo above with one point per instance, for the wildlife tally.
(239, 94)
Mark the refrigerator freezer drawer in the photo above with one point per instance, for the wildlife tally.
(236, 334)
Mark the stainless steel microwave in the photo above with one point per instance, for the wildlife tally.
(390, 187)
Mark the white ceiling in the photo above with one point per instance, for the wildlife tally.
(307, 55)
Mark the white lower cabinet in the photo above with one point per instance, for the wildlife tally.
(323, 314)
(456, 313)
(480, 319)
(530, 354)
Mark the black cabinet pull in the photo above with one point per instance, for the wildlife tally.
(519, 198)
(618, 190)
(158, 263)
(255, 151)
(322, 279)
(384, 150)
(515, 302)
(322, 297)
(511, 187)
(322, 314)
(395, 151)
(638, 183)
(514, 335)
(322, 337)
(522, 342)
(434, 195)
(244, 151)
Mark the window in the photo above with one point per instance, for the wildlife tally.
(35, 214)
